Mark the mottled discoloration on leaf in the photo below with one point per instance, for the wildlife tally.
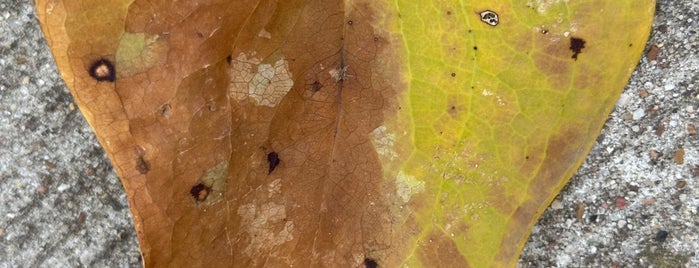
(343, 133)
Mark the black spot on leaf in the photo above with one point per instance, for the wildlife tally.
(273, 159)
(200, 192)
(370, 263)
(576, 45)
(102, 70)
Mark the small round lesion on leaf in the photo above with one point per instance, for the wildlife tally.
(211, 106)
(102, 70)
(370, 263)
(165, 110)
(200, 192)
(489, 17)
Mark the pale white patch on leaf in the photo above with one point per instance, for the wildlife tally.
(407, 186)
(264, 83)
(384, 142)
(339, 74)
(274, 187)
(543, 5)
(266, 226)
(264, 34)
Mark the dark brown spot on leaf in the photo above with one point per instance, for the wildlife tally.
(142, 165)
(576, 45)
(370, 263)
(273, 159)
(316, 86)
(102, 70)
(165, 110)
(200, 192)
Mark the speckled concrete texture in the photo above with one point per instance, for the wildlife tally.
(61, 204)
(635, 200)
(634, 203)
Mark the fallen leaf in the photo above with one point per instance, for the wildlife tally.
(343, 133)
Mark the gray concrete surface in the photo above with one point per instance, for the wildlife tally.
(634, 203)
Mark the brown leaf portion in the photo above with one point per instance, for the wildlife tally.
(205, 91)
(438, 250)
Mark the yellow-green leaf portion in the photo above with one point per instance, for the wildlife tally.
(343, 133)
(503, 115)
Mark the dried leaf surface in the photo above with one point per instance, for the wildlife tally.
(343, 133)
